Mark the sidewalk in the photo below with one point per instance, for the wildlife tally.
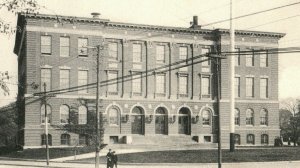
(284, 164)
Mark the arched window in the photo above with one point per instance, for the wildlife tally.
(249, 117)
(65, 139)
(83, 139)
(64, 114)
(236, 116)
(82, 115)
(137, 110)
(48, 114)
(264, 139)
(250, 139)
(206, 117)
(237, 139)
(263, 117)
(114, 116)
(43, 139)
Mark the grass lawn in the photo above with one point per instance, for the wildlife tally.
(41, 153)
(208, 156)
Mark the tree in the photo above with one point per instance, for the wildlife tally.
(290, 119)
(15, 7)
(8, 124)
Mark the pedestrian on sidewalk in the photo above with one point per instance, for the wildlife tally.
(114, 159)
(109, 159)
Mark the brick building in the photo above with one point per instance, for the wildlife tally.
(166, 102)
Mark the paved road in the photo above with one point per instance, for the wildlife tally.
(35, 164)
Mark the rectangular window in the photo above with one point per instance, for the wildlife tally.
(113, 50)
(237, 84)
(82, 47)
(183, 53)
(237, 57)
(64, 78)
(64, 46)
(249, 59)
(137, 53)
(112, 82)
(205, 51)
(264, 88)
(46, 78)
(137, 83)
(83, 81)
(264, 60)
(205, 87)
(160, 84)
(46, 45)
(160, 54)
(250, 87)
(183, 85)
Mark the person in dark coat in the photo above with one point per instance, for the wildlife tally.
(114, 159)
(109, 159)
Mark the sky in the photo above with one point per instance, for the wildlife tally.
(176, 13)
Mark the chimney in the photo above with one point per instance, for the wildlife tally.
(95, 15)
(195, 20)
(194, 23)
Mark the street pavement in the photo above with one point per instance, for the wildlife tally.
(34, 164)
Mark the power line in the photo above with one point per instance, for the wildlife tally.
(251, 14)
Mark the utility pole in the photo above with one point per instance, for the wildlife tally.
(46, 125)
(219, 112)
(232, 77)
(97, 111)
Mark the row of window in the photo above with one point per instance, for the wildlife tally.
(250, 56)
(64, 45)
(250, 117)
(264, 87)
(64, 114)
(137, 82)
(250, 139)
(65, 139)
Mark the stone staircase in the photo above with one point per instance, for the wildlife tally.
(162, 142)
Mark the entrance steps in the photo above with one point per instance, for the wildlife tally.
(162, 142)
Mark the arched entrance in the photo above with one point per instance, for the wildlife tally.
(161, 121)
(138, 121)
(184, 121)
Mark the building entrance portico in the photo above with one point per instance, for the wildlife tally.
(184, 121)
(138, 121)
(161, 121)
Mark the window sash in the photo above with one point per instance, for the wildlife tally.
(160, 53)
(250, 59)
(183, 85)
(64, 46)
(264, 60)
(82, 115)
(205, 85)
(83, 80)
(113, 50)
(49, 115)
(82, 46)
(46, 45)
(113, 117)
(137, 83)
(183, 53)
(205, 51)
(237, 84)
(237, 117)
(205, 118)
(249, 118)
(249, 87)
(46, 78)
(237, 57)
(64, 79)
(160, 83)
(264, 88)
(112, 85)
(137, 53)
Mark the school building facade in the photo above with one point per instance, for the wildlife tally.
(153, 83)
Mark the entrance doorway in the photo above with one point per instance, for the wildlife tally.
(161, 121)
(138, 121)
(184, 121)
